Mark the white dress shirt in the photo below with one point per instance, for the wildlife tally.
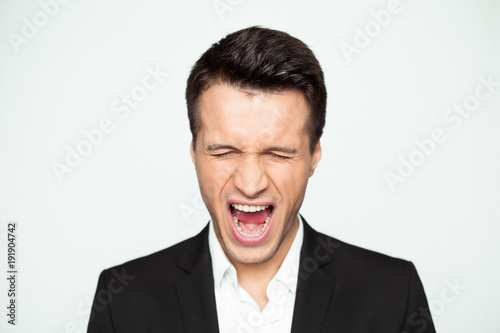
(237, 311)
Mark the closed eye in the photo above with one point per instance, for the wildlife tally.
(223, 154)
(273, 155)
(281, 157)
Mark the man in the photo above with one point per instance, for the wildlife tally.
(256, 105)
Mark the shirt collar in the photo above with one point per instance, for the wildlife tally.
(220, 263)
(287, 273)
(289, 269)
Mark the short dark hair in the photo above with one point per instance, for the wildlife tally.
(265, 60)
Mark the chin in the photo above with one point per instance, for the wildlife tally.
(248, 256)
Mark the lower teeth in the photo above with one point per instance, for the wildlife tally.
(235, 220)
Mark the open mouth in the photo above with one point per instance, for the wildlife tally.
(250, 222)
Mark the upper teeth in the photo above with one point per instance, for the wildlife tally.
(248, 208)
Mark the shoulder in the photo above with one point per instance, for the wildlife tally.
(357, 264)
(364, 276)
(385, 290)
(144, 289)
(163, 263)
(365, 260)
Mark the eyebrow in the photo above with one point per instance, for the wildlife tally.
(217, 146)
(284, 149)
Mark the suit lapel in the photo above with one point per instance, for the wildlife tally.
(196, 290)
(315, 285)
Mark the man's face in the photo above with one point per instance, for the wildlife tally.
(253, 162)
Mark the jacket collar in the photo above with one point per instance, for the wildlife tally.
(315, 285)
(196, 289)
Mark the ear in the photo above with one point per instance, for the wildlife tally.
(316, 156)
(193, 154)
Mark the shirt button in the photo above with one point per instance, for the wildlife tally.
(255, 319)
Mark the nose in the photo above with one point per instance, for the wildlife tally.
(251, 178)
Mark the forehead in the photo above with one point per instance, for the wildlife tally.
(232, 114)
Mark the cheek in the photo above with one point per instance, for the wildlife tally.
(290, 181)
(213, 176)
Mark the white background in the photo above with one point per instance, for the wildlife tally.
(136, 192)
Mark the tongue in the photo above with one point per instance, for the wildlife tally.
(252, 219)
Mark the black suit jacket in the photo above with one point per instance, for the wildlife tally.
(341, 288)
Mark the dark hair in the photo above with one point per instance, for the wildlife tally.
(260, 59)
